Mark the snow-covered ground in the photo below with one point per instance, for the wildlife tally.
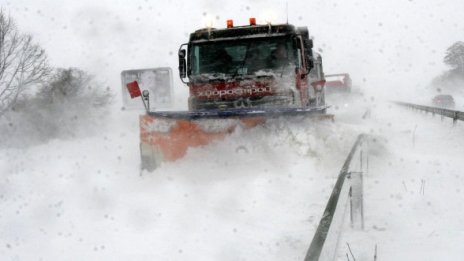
(413, 191)
(258, 195)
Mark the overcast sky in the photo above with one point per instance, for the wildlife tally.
(396, 44)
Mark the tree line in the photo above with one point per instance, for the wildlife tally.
(452, 80)
(37, 101)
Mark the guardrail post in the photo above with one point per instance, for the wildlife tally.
(356, 200)
(455, 118)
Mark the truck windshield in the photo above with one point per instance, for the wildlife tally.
(243, 57)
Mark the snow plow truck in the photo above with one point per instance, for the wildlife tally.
(237, 76)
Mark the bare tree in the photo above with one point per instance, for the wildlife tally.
(74, 86)
(22, 63)
(455, 57)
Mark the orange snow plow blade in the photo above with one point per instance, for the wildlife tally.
(167, 135)
(164, 139)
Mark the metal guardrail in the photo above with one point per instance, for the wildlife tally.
(324, 244)
(455, 115)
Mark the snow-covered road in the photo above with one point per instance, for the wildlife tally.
(258, 195)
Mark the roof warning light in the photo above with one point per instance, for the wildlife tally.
(252, 21)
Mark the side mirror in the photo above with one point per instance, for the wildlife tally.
(182, 64)
(182, 53)
(310, 44)
(295, 43)
(310, 62)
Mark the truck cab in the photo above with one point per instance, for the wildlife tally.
(253, 66)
